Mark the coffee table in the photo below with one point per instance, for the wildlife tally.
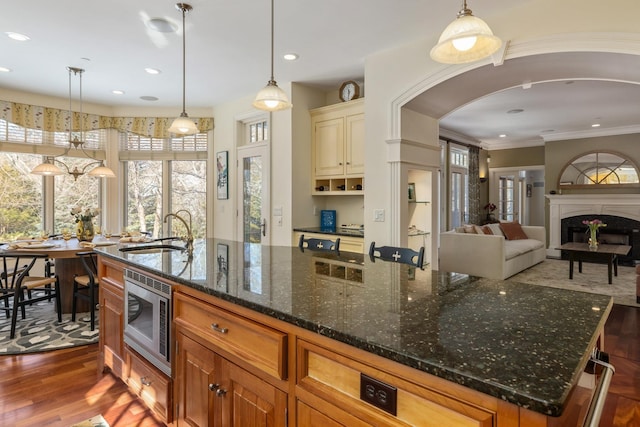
(580, 252)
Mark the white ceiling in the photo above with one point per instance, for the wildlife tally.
(228, 48)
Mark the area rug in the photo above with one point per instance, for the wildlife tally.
(41, 331)
(555, 273)
(96, 421)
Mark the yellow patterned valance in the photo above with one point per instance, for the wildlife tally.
(56, 120)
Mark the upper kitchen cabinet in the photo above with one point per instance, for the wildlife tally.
(338, 148)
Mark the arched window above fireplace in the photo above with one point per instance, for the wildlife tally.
(599, 168)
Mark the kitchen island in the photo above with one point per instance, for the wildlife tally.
(472, 351)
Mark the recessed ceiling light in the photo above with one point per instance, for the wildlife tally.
(515, 111)
(503, 135)
(595, 125)
(148, 98)
(152, 70)
(290, 56)
(161, 25)
(117, 92)
(5, 69)
(17, 36)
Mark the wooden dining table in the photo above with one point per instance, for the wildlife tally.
(67, 266)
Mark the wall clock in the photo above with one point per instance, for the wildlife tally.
(349, 90)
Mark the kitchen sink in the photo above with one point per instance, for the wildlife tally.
(152, 249)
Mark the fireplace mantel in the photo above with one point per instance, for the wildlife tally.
(564, 206)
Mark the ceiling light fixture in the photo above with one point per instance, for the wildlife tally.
(466, 39)
(17, 36)
(153, 71)
(183, 125)
(290, 56)
(271, 97)
(50, 168)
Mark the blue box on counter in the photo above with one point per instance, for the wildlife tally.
(328, 220)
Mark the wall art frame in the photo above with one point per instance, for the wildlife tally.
(222, 169)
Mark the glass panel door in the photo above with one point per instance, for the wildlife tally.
(459, 198)
(253, 185)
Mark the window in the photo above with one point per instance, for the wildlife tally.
(459, 182)
(189, 191)
(257, 131)
(24, 194)
(174, 180)
(599, 168)
(21, 197)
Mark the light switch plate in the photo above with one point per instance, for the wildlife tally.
(378, 215)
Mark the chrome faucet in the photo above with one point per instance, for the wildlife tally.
(188, 239)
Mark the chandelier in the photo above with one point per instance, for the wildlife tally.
(49, 167)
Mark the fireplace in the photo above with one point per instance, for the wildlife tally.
(619, 231)
(621, 213)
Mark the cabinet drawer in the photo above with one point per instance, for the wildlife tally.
(151, 385)
(253, 343)
(336, 379)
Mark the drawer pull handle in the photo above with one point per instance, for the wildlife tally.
(214, 387)
(221, 392)
(145, 381)
(217, 328)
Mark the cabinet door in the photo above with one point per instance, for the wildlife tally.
(329, 147)
(111, 327)
(195, 383)
(249, 401)
(355, 145)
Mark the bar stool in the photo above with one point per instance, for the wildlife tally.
(86, 286)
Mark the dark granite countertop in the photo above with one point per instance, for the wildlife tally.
(525, 344)
(339, 231)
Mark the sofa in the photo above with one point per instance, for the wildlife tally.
(488, 252)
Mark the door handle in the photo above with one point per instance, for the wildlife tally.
(264, 227)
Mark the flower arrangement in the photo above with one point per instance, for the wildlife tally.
(87, 215)
(489, 207)
(594, 224)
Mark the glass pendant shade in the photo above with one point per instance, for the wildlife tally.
(271, 98)
(102, 172)
(47, 169)
(183, 125)
(466, 39)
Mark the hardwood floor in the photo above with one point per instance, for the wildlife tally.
(62, 387)
(622, 342)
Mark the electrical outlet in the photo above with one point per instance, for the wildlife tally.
(379, 394)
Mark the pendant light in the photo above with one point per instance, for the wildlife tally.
(271, 97)
(50, 168)
(183, 125)
(466, 39)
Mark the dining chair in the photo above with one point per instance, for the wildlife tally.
(85, 286)
(315, 244)
(397, 254)
(19, 289)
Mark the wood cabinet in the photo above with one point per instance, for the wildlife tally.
(331, 383)
(143, 379)
(338, 148)
(211, 389)
(111, 314)
(148, 383)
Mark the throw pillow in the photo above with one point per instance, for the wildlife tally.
(469, 229)
(513, 231)
(486, 230)
(477, 229)
(495, 229)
